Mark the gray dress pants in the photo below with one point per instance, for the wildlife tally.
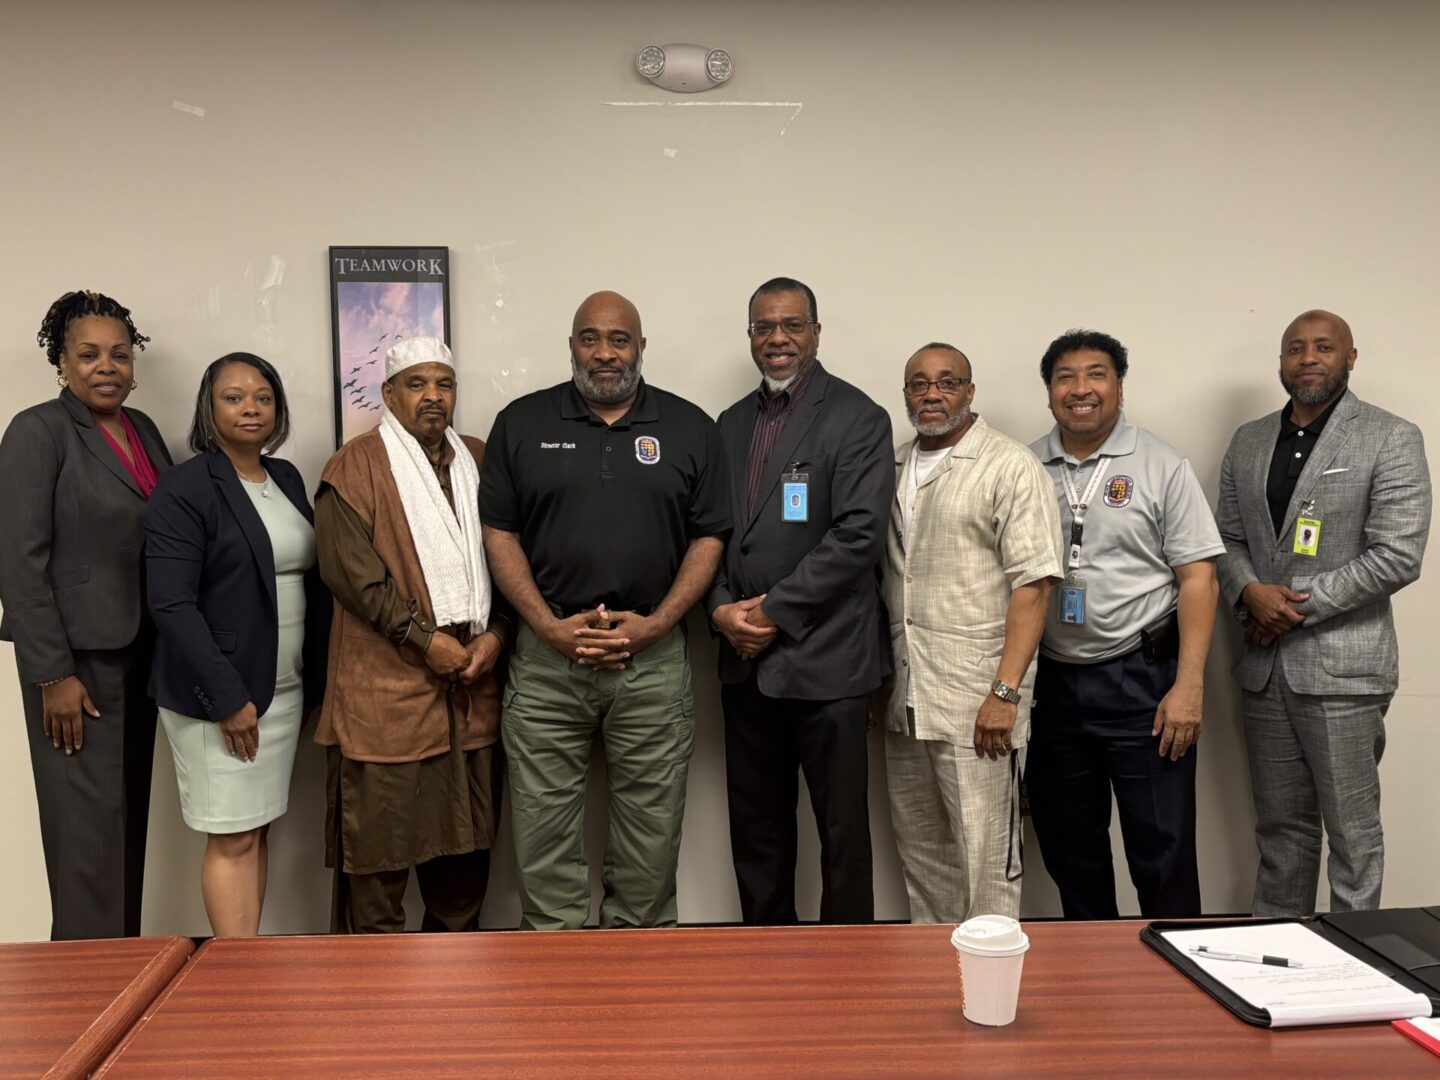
(1314, 761)
(95, 804)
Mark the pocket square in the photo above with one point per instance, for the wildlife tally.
(1327, 472)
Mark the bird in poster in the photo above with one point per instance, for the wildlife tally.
(349, 384)
(376, 349)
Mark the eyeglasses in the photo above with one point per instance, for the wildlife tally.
(791, 327)
(921, 387)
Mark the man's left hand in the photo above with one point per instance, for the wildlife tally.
(1178, 719)
(642, 630)
(1256, 635)
(484, 650)
(993, 725)
(629, 633)
(756, 617)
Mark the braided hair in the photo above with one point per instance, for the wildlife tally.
(77, 305)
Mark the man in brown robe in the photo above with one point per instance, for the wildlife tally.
(412, 709)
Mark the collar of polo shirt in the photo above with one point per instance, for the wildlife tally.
(643, 410)
(1120, 441)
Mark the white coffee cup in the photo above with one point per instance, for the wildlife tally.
(991, 952)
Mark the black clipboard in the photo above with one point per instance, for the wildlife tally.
(1399, 942)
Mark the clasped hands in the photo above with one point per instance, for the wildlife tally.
(1272, 611)
(746, 626)
(603, 649)
(463, 663)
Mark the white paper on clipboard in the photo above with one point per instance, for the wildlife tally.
(1332, 988)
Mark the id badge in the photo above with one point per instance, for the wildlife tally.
(795, 497)
(1072, 602)
(1307, 536)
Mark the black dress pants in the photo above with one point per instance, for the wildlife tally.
(95, 804)
(767, 742)
(1089, 734)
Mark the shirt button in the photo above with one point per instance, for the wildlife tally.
(1297, 452)
(607, 450)
(909, 622)
(1300, 434)
(908, 579)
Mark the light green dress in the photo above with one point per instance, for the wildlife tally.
(224, 794)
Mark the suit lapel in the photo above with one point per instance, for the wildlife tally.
(746, 416)
(1332, 439)
(156, 451)
(94, 440)
(222, 474)
(802, 415)
(1257, 466)
(295, 492)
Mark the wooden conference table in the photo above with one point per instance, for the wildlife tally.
(65, 1004)
(801, 1002)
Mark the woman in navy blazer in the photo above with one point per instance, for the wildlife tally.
(75, 473)
(243, 623)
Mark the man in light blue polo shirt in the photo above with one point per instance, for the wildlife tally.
(1120, 682)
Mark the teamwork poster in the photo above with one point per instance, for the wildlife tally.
(378, 296)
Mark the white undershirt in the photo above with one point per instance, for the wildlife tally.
(922, 464)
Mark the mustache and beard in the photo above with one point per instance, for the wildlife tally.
(601, 393)
(775, 386)
(936, 428)
(431, 416)
(1315, 393)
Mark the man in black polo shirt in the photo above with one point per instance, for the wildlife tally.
(605, 506)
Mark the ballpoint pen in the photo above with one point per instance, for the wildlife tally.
(1249, 958)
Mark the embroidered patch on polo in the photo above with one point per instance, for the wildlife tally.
(647, 450)
(1118, 490)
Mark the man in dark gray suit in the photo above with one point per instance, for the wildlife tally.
(1324, 510)
(797, 601)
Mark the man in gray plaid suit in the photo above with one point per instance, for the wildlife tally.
(1324, 511)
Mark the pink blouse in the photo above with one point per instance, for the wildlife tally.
(140, 469)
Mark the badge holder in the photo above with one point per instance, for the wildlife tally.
(795, 495)
(1307, 536)
(1072, 601)
(1070, 608)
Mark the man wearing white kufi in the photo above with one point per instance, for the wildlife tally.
(412, 707)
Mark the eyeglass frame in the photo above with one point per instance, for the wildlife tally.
(780, 325)
(905, 387)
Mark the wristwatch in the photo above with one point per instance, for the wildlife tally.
(1005, 692)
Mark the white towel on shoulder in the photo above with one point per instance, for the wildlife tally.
(452, 557)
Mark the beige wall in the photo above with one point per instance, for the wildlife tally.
(1185, 176)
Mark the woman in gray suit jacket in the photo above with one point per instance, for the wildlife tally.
(75, 474)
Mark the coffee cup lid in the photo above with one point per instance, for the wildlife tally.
(989, 933)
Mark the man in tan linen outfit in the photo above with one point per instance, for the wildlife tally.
(972, 551)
